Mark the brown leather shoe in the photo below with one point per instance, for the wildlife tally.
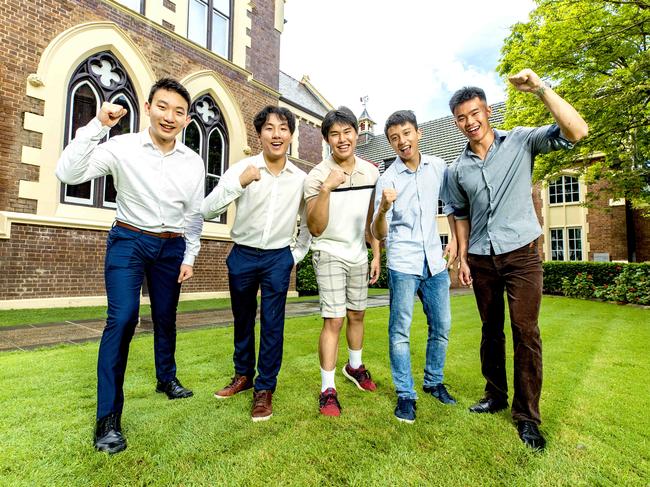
(237, 384)
(262, 408)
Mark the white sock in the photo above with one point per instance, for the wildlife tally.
(355, 358)
(327, 379)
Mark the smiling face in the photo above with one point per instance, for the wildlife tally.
(472, 119)
(168, 117)
(342, 139)
(275, 137)
(405, 139)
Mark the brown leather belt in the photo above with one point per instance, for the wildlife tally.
(146, 232)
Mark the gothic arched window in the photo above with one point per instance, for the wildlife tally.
(207, 135)
(99, 78)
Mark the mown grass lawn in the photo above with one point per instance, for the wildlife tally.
(594, 405)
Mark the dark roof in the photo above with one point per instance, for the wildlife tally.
(440, 137)
(296, 93)
(364, 114)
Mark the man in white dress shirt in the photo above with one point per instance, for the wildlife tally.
(267, 191)
(160, 186)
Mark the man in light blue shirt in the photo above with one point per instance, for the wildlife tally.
(406, 205)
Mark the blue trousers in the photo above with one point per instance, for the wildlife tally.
(250, 270)
(130, 256)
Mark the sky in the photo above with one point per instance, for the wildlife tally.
(405, 54)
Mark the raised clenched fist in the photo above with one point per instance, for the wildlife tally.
(388, 197)
(335, 178)
(250, 174)
(527, 81)
(110, 114)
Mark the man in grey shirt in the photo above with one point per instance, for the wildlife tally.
(491, 183)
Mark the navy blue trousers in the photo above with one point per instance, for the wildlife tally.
(130, 256)
(250, 270)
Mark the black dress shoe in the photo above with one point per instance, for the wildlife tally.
(108, 434)
(488, 405)
(530, 435)
(174, 389)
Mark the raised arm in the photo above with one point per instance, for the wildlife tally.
(231, 186)
(82, 159)
(568, 119)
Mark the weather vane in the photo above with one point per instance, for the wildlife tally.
(364, 101)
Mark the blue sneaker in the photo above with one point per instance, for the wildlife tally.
(405, 410)
(439, 391)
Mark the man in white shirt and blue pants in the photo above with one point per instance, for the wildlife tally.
(160, 186)
(267, 191)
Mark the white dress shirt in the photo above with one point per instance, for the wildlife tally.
(155, 192)
(267, 209)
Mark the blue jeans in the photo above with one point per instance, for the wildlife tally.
(130, 257)
(433, 291)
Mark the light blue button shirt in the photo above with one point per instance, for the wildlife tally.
(497, 192)
(412, 229)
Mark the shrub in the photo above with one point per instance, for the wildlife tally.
(601, 273)
(620, 282)
(632, 285)
(581, 286)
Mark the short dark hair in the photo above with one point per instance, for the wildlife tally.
(283, 114)
(400, 117)
(464, 94)
(342, 115)
(170, 84)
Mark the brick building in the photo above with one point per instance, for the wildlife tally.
(604, 230)
(62, 58)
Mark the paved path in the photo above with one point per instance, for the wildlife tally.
(25, 337)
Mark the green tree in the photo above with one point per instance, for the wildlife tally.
(594, 53)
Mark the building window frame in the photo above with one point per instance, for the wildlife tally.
(564, 190)
(566, 244)
(207, 117)
(211, 10)
(92, 73)
(444, 240)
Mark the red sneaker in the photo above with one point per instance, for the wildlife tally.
(361, 377)
(329, 403)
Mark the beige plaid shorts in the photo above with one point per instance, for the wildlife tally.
(340, 286)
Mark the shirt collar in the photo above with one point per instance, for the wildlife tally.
(145, 139)
(358, 167)
(260, 163)
(499, 135)
(402, 167)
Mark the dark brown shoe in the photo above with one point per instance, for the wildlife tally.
(262, 408)
(237, 384)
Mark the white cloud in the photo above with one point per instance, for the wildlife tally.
(402, 54)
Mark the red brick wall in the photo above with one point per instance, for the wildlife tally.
(264, 54)
(47, 262)
(310, 142)
(607, 232)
